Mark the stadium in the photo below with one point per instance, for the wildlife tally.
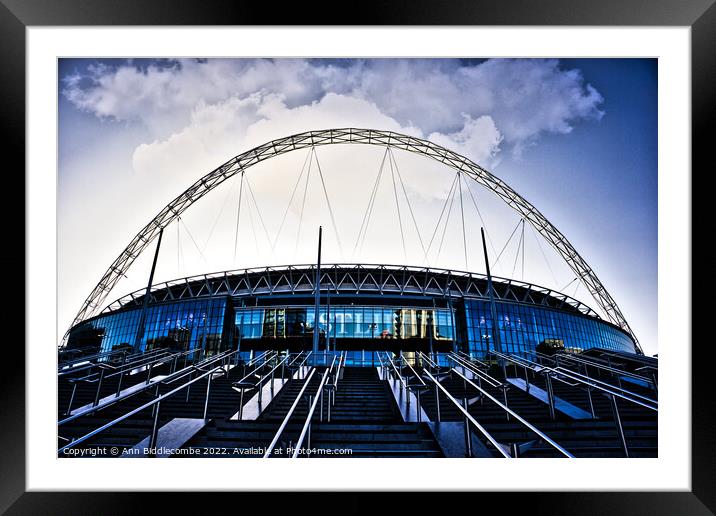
(381, 360)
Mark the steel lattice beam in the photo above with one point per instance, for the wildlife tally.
(390, 139)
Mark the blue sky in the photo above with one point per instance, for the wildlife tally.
(576, 137)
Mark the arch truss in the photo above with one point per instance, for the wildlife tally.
(240, 163)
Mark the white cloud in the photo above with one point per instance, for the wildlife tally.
(524, 98)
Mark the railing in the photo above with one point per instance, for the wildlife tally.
(318, 398)
(67, 364)
(176, 375)
(154, 359)
(514, 414)
(281, 428)
(587, 381)
(595, 363)
(466, 364)
(156, 407)
(243, 385)
(468, 420)
(83, 365)
(612, 392)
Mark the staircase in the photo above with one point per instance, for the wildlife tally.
(364, 423)
(583, 438)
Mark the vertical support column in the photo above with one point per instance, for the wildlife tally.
(143, 316)
(317, 293)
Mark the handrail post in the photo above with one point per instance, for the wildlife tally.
(241, 404)
(99, 387)
(119, 382)
(308, 435)
(550, 395)
(72, 398)
(468, 436)
(591, 403)
(419, 410)
(155, 431)
(437, 401)
(156, 395)
(618, 421)
(149, 373)
(208, 391)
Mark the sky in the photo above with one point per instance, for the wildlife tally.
(575, 137)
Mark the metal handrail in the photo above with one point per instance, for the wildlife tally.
(589, 382)
(469, 365)
(398, 373)
(178, 374)
(258, 384)
(516, 416)
(415, 374)
(309, 416)
(88, 358)
(139, 358)
(469, 417)
(251, 373)
(580, 378)
(302, 355)
(429, 360)
(613, 370)
(470, 358)
(341, 366)
(156, 401)
(261, 356)
(289, 414)
(160, 356)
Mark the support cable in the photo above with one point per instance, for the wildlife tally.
(479, 214)
(462, 217)
(568, 284)
(517, 253)
(238, 214)
(186, 228)
(253, 228)
(180, 253)
(506, 243)
(437, 225)
(524, 244)
(370, 213)
(218, 216)
(258, 211)
(407, 200)
(303, 203)
(328, 201)
(539, 245)
(447, 219)
(290, 201)
(397, 207)
(369, 207)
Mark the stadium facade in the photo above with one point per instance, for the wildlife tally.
(363, 308)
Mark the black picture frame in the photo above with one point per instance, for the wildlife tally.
(17, 15)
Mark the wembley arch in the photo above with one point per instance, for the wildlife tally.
(240, 163)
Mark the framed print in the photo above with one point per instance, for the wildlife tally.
(418, 256)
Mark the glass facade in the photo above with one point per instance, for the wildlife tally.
(213, 325)
(524, 327)
(361, 322)
(184, 325)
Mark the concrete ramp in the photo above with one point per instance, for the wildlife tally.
(561, 405)
(112, 397)
(170, 437)
(407, 401)
(253, 408)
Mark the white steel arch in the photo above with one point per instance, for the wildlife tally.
(243, 161)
